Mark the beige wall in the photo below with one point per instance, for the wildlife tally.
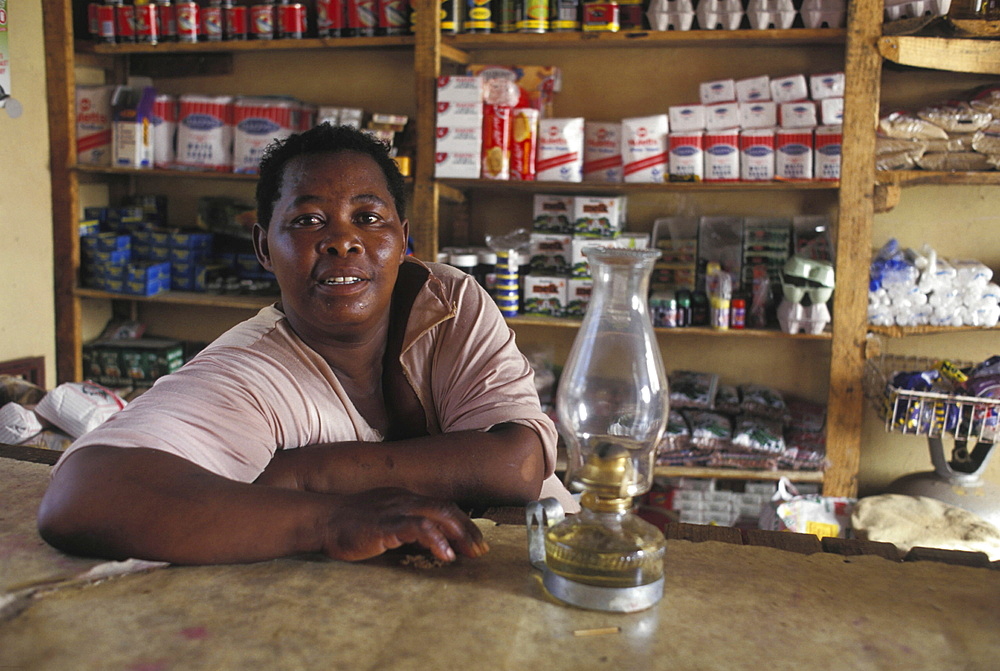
(27, 320)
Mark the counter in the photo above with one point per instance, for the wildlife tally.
(726, 605)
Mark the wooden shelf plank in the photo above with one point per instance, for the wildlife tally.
(650, 38)
(624, 188)
(917, 177)
(197, 299)
(735, 474)
(312, 43)
(942, 53)
(158, 172)
(565, 323)
(907, 331)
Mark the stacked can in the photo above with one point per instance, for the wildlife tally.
(506, 290)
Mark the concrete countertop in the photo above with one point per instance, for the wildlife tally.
(726, 605)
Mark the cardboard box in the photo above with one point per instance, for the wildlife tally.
(552, 213)
(545, 295)
(93, 125)
(598, 216)
(138, 362)
(132, 126)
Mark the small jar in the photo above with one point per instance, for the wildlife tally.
(738, 313)
(464, 261)
(486, 269)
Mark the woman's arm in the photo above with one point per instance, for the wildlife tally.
(147, 504)
(504, 465)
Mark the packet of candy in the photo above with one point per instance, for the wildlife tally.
(691, 389)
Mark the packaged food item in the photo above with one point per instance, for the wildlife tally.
(79, 407)
(908, 126)
(644, 148)
(677, 435)
(722, 156)
(958, 118)
(553, 213)
(256, 123)
(497, 137)
(693, 389)
(686, 162)
(759, 434)
(17, 424)
(793, 154)
(762, 401)
(602, 152)
(164, 122)
(93, 124)
(524, 144)
(727, 399)
(717, 91)
(598, 216)
(205, 133)
(790, 88)
(560, 150)
(710, 431)
(757, 155)
(961, 161)
(828, 141)
(132, 138)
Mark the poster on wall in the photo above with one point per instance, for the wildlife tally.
(6, 101)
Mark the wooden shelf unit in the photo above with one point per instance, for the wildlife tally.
(431, 53)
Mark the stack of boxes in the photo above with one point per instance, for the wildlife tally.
(131, 362)
(558, 282)
(129, 250)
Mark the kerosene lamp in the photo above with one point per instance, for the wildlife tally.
(612, 405)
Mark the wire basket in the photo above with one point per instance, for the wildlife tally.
(968, 419)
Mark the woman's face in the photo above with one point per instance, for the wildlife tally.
(335, 243)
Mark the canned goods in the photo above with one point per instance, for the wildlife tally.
(534, 17)
(106, 23)
(124, 22)
(262, 21)
(235, 21)
(166, 20)
(564, 15)
(478, 17)
(451, 16)
(505, 13)
(211, 22)
(393, 17)
(331, 18)
(362, 18)
(187, 21)
(93, 21)
(146, 25)
(292, 20)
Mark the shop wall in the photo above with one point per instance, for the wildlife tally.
(27, 313)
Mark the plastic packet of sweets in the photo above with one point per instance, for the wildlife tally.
(496, 142)
(523, 144)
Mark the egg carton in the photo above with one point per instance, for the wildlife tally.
(719, 14)
(764, 14)
(824, 13)
(914, 9)
(671, 14)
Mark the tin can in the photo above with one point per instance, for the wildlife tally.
(451, 16)
(93, 20)
(505, 13)
(211, 22)
(146, 25)
(393, 17)
(262, 21)
(630, 15)
(600, 17)
(331, 18)
(106, 23)
(362, 18)
(166, 20)
(534, 17)
(124, 23)
(292, 21)
(235, 21)
(478, 17)
(564, 15)
(187, 21)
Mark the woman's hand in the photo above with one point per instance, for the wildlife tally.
(369, 523)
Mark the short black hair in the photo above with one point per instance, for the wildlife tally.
(322, 139)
